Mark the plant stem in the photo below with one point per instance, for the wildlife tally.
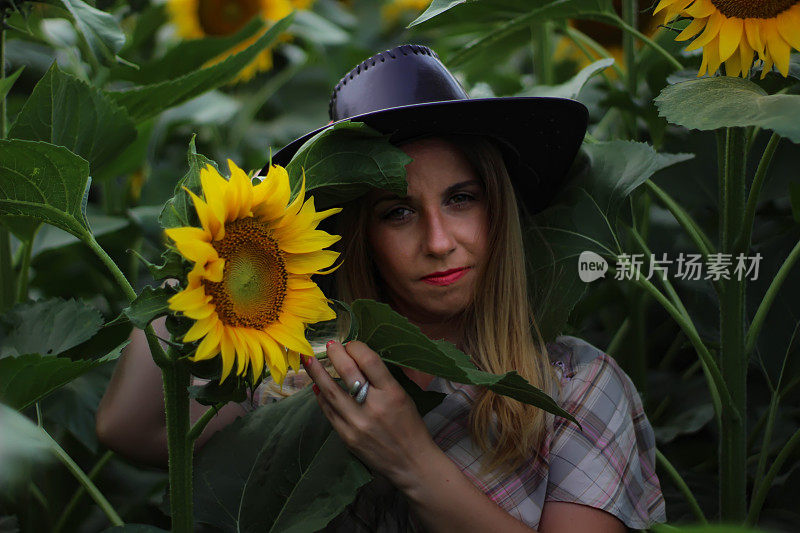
(682, 486)
(543, 53)
(700, 239)
(580, 38)
(733, 358)
(619, 336)
(614, 19)
(630, 10)
(203, 421)
(743, 242)
(73, 502)
(22, 279)
(766, 483)
(3, 122)
(7, 289)
(764, 455)
(176, 400)
(90, 487)
(769, 297)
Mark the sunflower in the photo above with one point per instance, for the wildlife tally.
(391, 11)
(733, 31)
(250, 290)
(196, 19)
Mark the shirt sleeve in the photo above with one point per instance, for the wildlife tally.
(608, 463)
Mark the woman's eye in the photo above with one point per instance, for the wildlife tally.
(460, 198)
(396, 214)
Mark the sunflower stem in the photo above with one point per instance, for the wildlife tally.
(630, 10)
(743, 242)
(543, 53)
(733, 357)
(176, 404)
(76, 497)
(203, 421)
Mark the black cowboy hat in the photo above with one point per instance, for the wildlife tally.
(408, 93)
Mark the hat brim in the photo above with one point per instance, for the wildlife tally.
(539, 136)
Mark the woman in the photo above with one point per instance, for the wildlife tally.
(449, 257)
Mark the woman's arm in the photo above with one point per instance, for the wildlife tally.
(131, 420)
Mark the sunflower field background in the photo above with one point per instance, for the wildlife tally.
(108, 109)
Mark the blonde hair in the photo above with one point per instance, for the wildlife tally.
(498, 329)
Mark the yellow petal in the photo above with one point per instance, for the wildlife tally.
(228, 352)
(188, 234)
(309, 310)
(244, 189)
(294, 360)
(777, 48)
(290, 332)
(275, 358)
(189, 299)
(789, 26)
(322, 215)
(311, 262)
(272, 194)
(663, 4)
(242, 349)
(209, 347)
(702, 9)
(207, 217)
(767, 68)
(733, 65)
(199, 313)
(691, 30)
(200, 328)
(255, 352)
(752, 27)
(294, 207)
(215, 270)
(303, 243)
(746, 56)
(295, 283)
(214, 187)
(193, 245)
(710, 33)
(729, 36)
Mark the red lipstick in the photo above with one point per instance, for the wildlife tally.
(447, 277)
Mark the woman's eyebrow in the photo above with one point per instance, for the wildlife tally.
(450, 190)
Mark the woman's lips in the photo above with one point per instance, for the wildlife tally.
(446, 279)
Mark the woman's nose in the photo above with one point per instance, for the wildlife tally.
(439, 237)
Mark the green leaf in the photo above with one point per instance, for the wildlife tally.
(8, 82)
(48, 327)
(26, 379)
(45, 182)
(712, 528)
(65, 111)
(21, 445)
(400, 342)
(571, 88)
(435, 8)
(232, 390)
(188, 56)
(149, 100)
(172, 265)
(179, 210)
(346, 160)
(316, 29)
(149, 305)
(100, 29)
(280, 468)
(725, 102)
(135, 528)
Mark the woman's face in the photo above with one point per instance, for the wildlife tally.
(430, 245)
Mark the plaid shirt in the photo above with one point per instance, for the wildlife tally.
(609, 464)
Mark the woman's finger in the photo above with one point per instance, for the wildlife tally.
(345, 365)
(340, 400)
(370, 364)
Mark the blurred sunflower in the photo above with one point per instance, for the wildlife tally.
(196, 19)
(392, 10)
(250, 290)
(734, 30)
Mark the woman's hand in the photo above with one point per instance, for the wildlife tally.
(386, 431)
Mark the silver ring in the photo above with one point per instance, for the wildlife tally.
(362, 393)
(355, 387)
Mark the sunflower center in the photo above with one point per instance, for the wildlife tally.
(253, 283)
(225, 17)
(756, 9)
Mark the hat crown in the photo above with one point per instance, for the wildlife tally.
(405, 75)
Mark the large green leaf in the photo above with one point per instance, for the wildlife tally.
(8, 82)
(22, 444)
(344, 161)
(64, 110)
(29, 378)
(188, 56)
(179, 210)
(149, 100)
(280, 468)
(100, 29)
(400, 342)
(724, 102)
(149, 305)
(47, 327)
(46, 182)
